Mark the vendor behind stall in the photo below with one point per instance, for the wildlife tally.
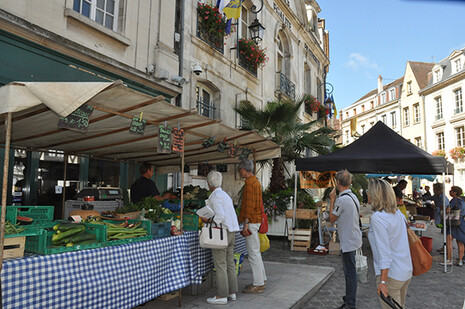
(144, 185)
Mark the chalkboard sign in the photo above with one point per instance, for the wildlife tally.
(245, 153)
(208, 142)
(164, 139)
(178, 140)
(222, 147)
(222, 168)
(204, 169)
(77, 120)
(232, 151)
(137, 125)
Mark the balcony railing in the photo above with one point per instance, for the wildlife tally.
(284, 85)
(206, 109)
(213, 39)
(247, 65)
(439, 116)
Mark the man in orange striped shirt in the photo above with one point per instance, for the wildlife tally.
(251, 216)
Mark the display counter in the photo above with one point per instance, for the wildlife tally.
(113, 277)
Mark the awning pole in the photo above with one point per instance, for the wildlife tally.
(294, 207)
(182, 181)
(444, 218)
(65, 166)
(6, 162)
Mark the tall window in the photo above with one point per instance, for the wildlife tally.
(440, 140)
(363, 108)
(418, 141)
(392, 94)
(355, 111)
(244, 22)
(458, 65)
(393, 120)
(347, 137)
(384, 119)
(460, 136)
(103, 12)
(458, 101)
(416, 113)
(438, 101)
(372, 104)
(437, 76)
(383, 98)
(409, 87)
(406, 116)
(205, 106)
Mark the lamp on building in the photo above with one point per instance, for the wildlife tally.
(256, 28)
(329, 101)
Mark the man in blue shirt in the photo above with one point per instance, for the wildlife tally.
(144, 185)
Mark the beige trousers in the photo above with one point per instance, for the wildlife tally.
(397, 290)
(223, 259)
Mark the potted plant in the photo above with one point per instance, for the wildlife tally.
(212, 24)
(312, 105)
(457, 153)
(251, 56)
(439, 153)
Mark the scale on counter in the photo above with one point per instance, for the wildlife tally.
(101, 193)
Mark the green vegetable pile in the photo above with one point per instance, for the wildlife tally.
(120, 231)
(147, 203)
(71, 234)
(12, 229)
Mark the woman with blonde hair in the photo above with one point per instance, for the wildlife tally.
(389, 243)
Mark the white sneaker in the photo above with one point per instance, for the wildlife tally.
(217, 301)
(232, 297)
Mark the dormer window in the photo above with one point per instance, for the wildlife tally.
(392, 94)
(437, 75)
(458, 65)
(409, 88)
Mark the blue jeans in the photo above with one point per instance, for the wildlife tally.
(348, 263)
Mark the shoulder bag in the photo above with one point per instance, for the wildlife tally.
(213, 237)
(453, 217)
(356, 207)
(421, 259)
(264, 224)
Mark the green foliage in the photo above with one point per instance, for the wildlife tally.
(275, 204)
(147, 203)
(212, 23)
(252, 55)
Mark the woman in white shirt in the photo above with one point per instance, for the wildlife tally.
(389, 243)
(223, 259)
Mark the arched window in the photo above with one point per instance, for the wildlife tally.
(204, 101)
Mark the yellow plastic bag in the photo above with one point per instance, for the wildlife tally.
(264, 242)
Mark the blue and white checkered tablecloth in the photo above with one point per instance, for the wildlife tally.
(113, 277)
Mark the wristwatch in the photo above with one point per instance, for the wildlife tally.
(383, 282)
(246, 221)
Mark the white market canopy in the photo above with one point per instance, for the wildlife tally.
(37, 107)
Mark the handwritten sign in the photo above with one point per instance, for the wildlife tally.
(137, 125)
(77, 120)
(245, 153)
(164, 139)
(208, 142)
(222, 147)
(232, 151)
(177, 144)
(204, 169)
(222, 168)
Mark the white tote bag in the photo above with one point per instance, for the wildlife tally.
(361, 266)
(213, 237)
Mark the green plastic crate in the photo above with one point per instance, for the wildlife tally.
(42, 243)
(160, 230)
(190, 222)
(147, 225)
(39, 214)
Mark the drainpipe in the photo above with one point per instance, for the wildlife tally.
(423, 116)
(181, 46)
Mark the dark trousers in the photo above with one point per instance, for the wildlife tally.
(348, 263)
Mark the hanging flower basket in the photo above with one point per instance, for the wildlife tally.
(457, 153)
(251, 56)
(439, 153)
(312, 105)
(212, 24)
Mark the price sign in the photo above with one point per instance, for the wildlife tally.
(77, 120)
(222, 147)
(178, 140)
(208, 142)
(137, 125)
(164, 139)
(245, 153)
(232, 151)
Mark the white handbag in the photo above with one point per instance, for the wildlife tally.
(361, 266)
(213, 237)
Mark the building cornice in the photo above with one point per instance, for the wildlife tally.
(443, 83)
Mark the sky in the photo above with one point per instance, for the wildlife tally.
(368, 38)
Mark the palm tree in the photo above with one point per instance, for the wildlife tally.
(279, 121)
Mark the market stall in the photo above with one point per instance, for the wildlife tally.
(111, 121)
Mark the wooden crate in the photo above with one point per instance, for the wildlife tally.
(302, 239)
(307, 214)
(14, 247)
(169, 295)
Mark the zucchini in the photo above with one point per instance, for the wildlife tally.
(82, 243)
(82, 237)
(61, 236)
(63, 227)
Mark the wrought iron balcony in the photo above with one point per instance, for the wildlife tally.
(206, 109)
(213, 39)
(247, 65)
(284, 85)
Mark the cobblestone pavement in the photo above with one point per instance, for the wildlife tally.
(435, 289)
